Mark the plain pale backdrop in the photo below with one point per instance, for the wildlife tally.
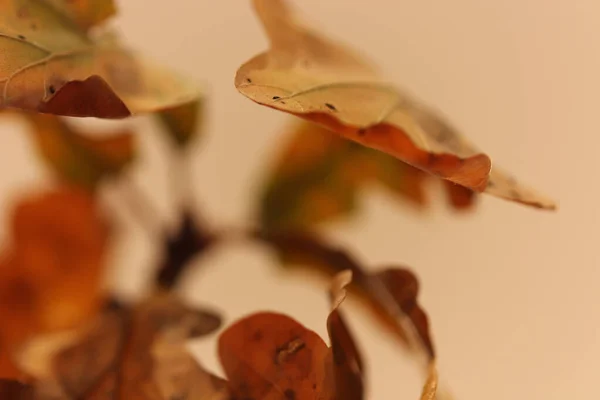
(513, 293)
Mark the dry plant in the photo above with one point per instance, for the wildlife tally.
(65, 336)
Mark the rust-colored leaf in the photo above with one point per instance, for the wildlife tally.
(307, 75)
(392, 293)
(79, 158)
(50, 273)
(51, 64)
(318, 176)
(404, 288)
(270, 356)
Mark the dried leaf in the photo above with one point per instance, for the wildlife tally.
(50, 274)
(316, 79)
(121, 355)
(178, 375)
(318, 176)
(53, 66)
(76, 157)
(182, 123)
(348, 367)
(270, 356)
(392, 293)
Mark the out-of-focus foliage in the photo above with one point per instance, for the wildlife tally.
(318, 176)
(79, 158)
(51, 272)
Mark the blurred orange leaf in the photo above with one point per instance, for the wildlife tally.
(51, 64)
(307, 75)
(77, 157)
(50, 275)
(318, 176)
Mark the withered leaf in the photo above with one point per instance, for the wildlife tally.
(51, 64)
(269, 356)
(318, 176)
(307, 75)
(392, 293)
(50, 274)
(348, 367)
(77, 157)
(120, 355)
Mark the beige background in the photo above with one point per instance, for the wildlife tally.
(513, 293)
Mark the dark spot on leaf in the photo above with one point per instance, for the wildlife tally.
(431, 158)
(52, 89)
(21, 37)
(257, 336)
(490, 184)
(248, 80)
(362, 132)
(282, 102)
(314, 386)
(330, 106)
(33, 27)
(289, 394)
(276, 97)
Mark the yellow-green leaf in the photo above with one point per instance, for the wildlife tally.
(307, 75)
(77, 157)
(51, 65)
